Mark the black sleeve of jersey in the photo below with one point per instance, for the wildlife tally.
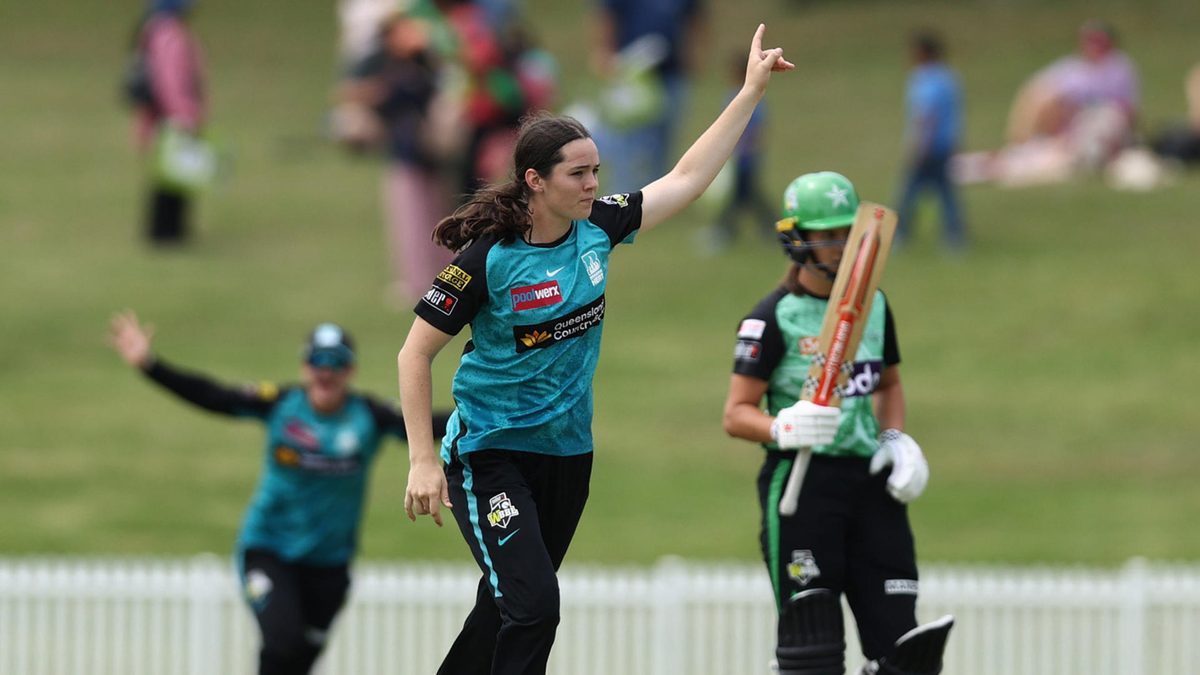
(387, 417)
(389, 420)
(618, 215)
(891, 347)
(760, 345)
(205, 393)
(458, 292)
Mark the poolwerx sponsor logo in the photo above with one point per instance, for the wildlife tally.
(537, 295)
(573, 325)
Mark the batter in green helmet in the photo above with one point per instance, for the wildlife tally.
(816, 202)
(850, 534)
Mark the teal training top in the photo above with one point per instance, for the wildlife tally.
(536, 311)
(309, 501)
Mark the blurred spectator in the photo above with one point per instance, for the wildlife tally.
(1099, 77)
(165, 84)
(1182, 142)
(492, 102)
(1072, 116)
(933, 107)
(640, 151)
(358, 25)
(490, 76)
(391, 94)
(743, 194)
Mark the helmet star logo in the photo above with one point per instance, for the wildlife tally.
(838, 196)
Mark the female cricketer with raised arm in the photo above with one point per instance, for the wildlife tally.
(300, 533)
(850, 533)
(529, 279)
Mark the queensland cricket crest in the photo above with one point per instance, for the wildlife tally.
(803, 567)
(502, 511)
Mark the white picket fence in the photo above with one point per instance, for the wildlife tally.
(184, 617)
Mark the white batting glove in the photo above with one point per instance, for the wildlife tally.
(805, 424)
(910, 471)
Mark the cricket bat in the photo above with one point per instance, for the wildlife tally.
(854, 287)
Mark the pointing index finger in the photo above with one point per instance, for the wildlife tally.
(756, 43)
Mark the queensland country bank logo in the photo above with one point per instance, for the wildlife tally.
(440, 299)
(571, 325)
(501, 510)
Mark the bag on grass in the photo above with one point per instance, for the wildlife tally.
(184, 162)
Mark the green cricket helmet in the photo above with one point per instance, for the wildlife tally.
(824, 200)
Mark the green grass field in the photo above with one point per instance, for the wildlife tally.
(1049, 373)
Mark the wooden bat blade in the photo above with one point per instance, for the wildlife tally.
(849, 309)
(854, 287)
(863, 260)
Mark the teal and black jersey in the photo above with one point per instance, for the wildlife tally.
(777, 341)
(309, 501)
(536, 312)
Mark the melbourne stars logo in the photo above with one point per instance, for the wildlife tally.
(837, 196)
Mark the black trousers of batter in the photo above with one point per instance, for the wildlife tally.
(518, 512)
(848, 535)
(294, 612)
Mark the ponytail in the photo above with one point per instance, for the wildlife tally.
(500, 210)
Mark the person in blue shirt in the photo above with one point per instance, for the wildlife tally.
(300, 533)
(933, 102)
(530, 280)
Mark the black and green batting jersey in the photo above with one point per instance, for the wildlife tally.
(777, 341)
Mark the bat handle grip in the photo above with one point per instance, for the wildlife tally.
(791, 491)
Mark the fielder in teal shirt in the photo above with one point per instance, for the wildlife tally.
(300, 533)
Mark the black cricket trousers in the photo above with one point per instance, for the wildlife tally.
(518, 512)
(848, 535)
(294, 605)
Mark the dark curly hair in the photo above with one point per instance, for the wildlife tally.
(502, 210)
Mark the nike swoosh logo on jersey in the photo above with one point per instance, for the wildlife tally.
(553, 272)
(504, 540)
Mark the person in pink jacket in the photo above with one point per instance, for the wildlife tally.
(166, 86)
